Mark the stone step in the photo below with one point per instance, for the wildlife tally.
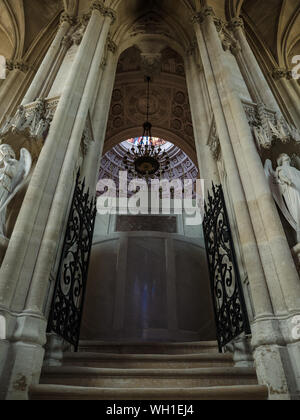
(148, 348)
(148, 378)
(148, 361)
(65, 393)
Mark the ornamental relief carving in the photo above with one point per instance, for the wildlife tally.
(29, 126)
(214, 141)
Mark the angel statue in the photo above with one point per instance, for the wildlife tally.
(285, 187)
(13, 174)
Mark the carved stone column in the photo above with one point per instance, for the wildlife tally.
(270, 336)
(263, 90)
(11, 88)
(260, 295)
(31, 253)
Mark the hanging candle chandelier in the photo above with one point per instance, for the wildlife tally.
(146, 160)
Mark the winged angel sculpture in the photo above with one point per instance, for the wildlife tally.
(285, 187)
(13, 174)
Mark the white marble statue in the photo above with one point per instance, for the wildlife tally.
(13, 174)
(285, 186)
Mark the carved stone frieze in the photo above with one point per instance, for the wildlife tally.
(29, 126)
(236, 22)
(228, 40)
(269, 127)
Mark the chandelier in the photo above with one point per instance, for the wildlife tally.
(147, 160)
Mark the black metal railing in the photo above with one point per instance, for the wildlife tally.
(229, 304)
(66, 310)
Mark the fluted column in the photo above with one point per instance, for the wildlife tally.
(44, 69)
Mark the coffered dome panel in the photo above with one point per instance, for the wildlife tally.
(169, 109)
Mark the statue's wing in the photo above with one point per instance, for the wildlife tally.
(18, 181)
(277, 193)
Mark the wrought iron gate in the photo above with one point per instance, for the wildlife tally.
(229, 304)
(66, 310)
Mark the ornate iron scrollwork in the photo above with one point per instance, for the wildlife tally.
(66, 310)
(229, 304)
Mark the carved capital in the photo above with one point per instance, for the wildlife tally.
(65, 17)
(219, 24)
(282, 73)
(201, 16)
(235, 23)
(32, 123)
(214, 142)
(97, 5)
(110, 13)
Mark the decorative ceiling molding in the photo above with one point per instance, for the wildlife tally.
(169, 105)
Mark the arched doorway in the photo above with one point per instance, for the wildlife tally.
(148, 278)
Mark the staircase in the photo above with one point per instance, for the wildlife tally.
(148, 371)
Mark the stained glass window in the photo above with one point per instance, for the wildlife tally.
(146, 141)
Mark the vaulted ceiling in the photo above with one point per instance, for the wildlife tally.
(274, 24)
(23, 22)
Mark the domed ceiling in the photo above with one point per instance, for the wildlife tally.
(181, 166)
